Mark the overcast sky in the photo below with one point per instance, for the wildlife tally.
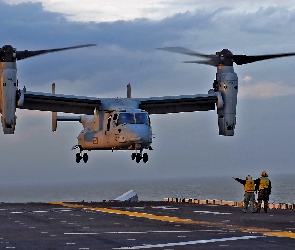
(127, 34)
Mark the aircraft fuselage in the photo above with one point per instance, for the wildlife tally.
(127, 130)
(121, 137)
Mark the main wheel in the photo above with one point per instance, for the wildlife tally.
(133, 156)
(78, 157)
(85, 157)
(145, 157)
(138, 157)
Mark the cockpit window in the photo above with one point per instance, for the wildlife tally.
(126, 118)
(132, 118)
(142, 118)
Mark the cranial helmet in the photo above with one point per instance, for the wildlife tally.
(248, 177)
(263, 173)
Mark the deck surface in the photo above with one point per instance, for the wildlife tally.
(142, 225)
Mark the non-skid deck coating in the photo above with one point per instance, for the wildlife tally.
(142, 225)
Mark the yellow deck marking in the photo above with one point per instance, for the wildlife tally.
(280, 234)
(263, 231)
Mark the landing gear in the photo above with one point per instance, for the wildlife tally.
(138, 156)
(145, 157)
(85, 157)
(79, 157)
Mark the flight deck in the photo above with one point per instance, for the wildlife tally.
(142, 225)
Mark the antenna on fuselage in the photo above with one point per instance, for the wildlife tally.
(128, 90)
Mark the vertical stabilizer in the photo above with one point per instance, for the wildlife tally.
(54, 115)
(128, 90)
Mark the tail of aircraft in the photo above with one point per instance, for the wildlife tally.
(128, 90)
(56, 118)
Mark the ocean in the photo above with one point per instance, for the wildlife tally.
(221, 188)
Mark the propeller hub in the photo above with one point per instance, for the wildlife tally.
(225, 57)
(7, 54)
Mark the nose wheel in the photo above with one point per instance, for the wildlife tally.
(80, 156)
(139, 156)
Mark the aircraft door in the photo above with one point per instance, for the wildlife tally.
(109, 123)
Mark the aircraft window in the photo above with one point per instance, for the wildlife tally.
(142, 118)
(126, 118)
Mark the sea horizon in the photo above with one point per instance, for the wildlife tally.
(156, 189)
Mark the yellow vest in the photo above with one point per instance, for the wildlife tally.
(249, 186)
(264, 183)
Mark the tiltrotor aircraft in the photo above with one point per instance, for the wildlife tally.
(113, 123)
(124, 124)
(9, 94)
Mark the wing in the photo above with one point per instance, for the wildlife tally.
(177, 104)
(86, 105)
(60, 103)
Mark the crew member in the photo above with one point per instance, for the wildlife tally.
(249, 196)
(264, 190)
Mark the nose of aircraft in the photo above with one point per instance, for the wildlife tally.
(140, 132)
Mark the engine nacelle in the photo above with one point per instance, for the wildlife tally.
(227, 87)
(8, 128)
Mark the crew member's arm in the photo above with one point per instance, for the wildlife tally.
(269, 188)
(240, 180)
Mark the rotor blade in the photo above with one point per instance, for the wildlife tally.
(208, 62)
(243, 59)
(181, 50)
(26, 53)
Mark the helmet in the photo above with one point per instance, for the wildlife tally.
(263, 173)
(248, 177)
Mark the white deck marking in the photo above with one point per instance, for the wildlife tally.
(191, 242)
(145, 232)
(81, 233)
(166, 208)
(209, 212)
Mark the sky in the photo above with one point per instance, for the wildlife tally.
(127, 34)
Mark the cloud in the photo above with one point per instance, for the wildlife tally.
(247, 79)
(113, 10)
(266, 90)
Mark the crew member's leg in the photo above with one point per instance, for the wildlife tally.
(246, 202)
(266, 198)
(252, 201)
(259, 200)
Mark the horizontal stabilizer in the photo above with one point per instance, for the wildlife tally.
(56, 118)
(68, 118)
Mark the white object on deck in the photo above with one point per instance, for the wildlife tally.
(128, 196)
